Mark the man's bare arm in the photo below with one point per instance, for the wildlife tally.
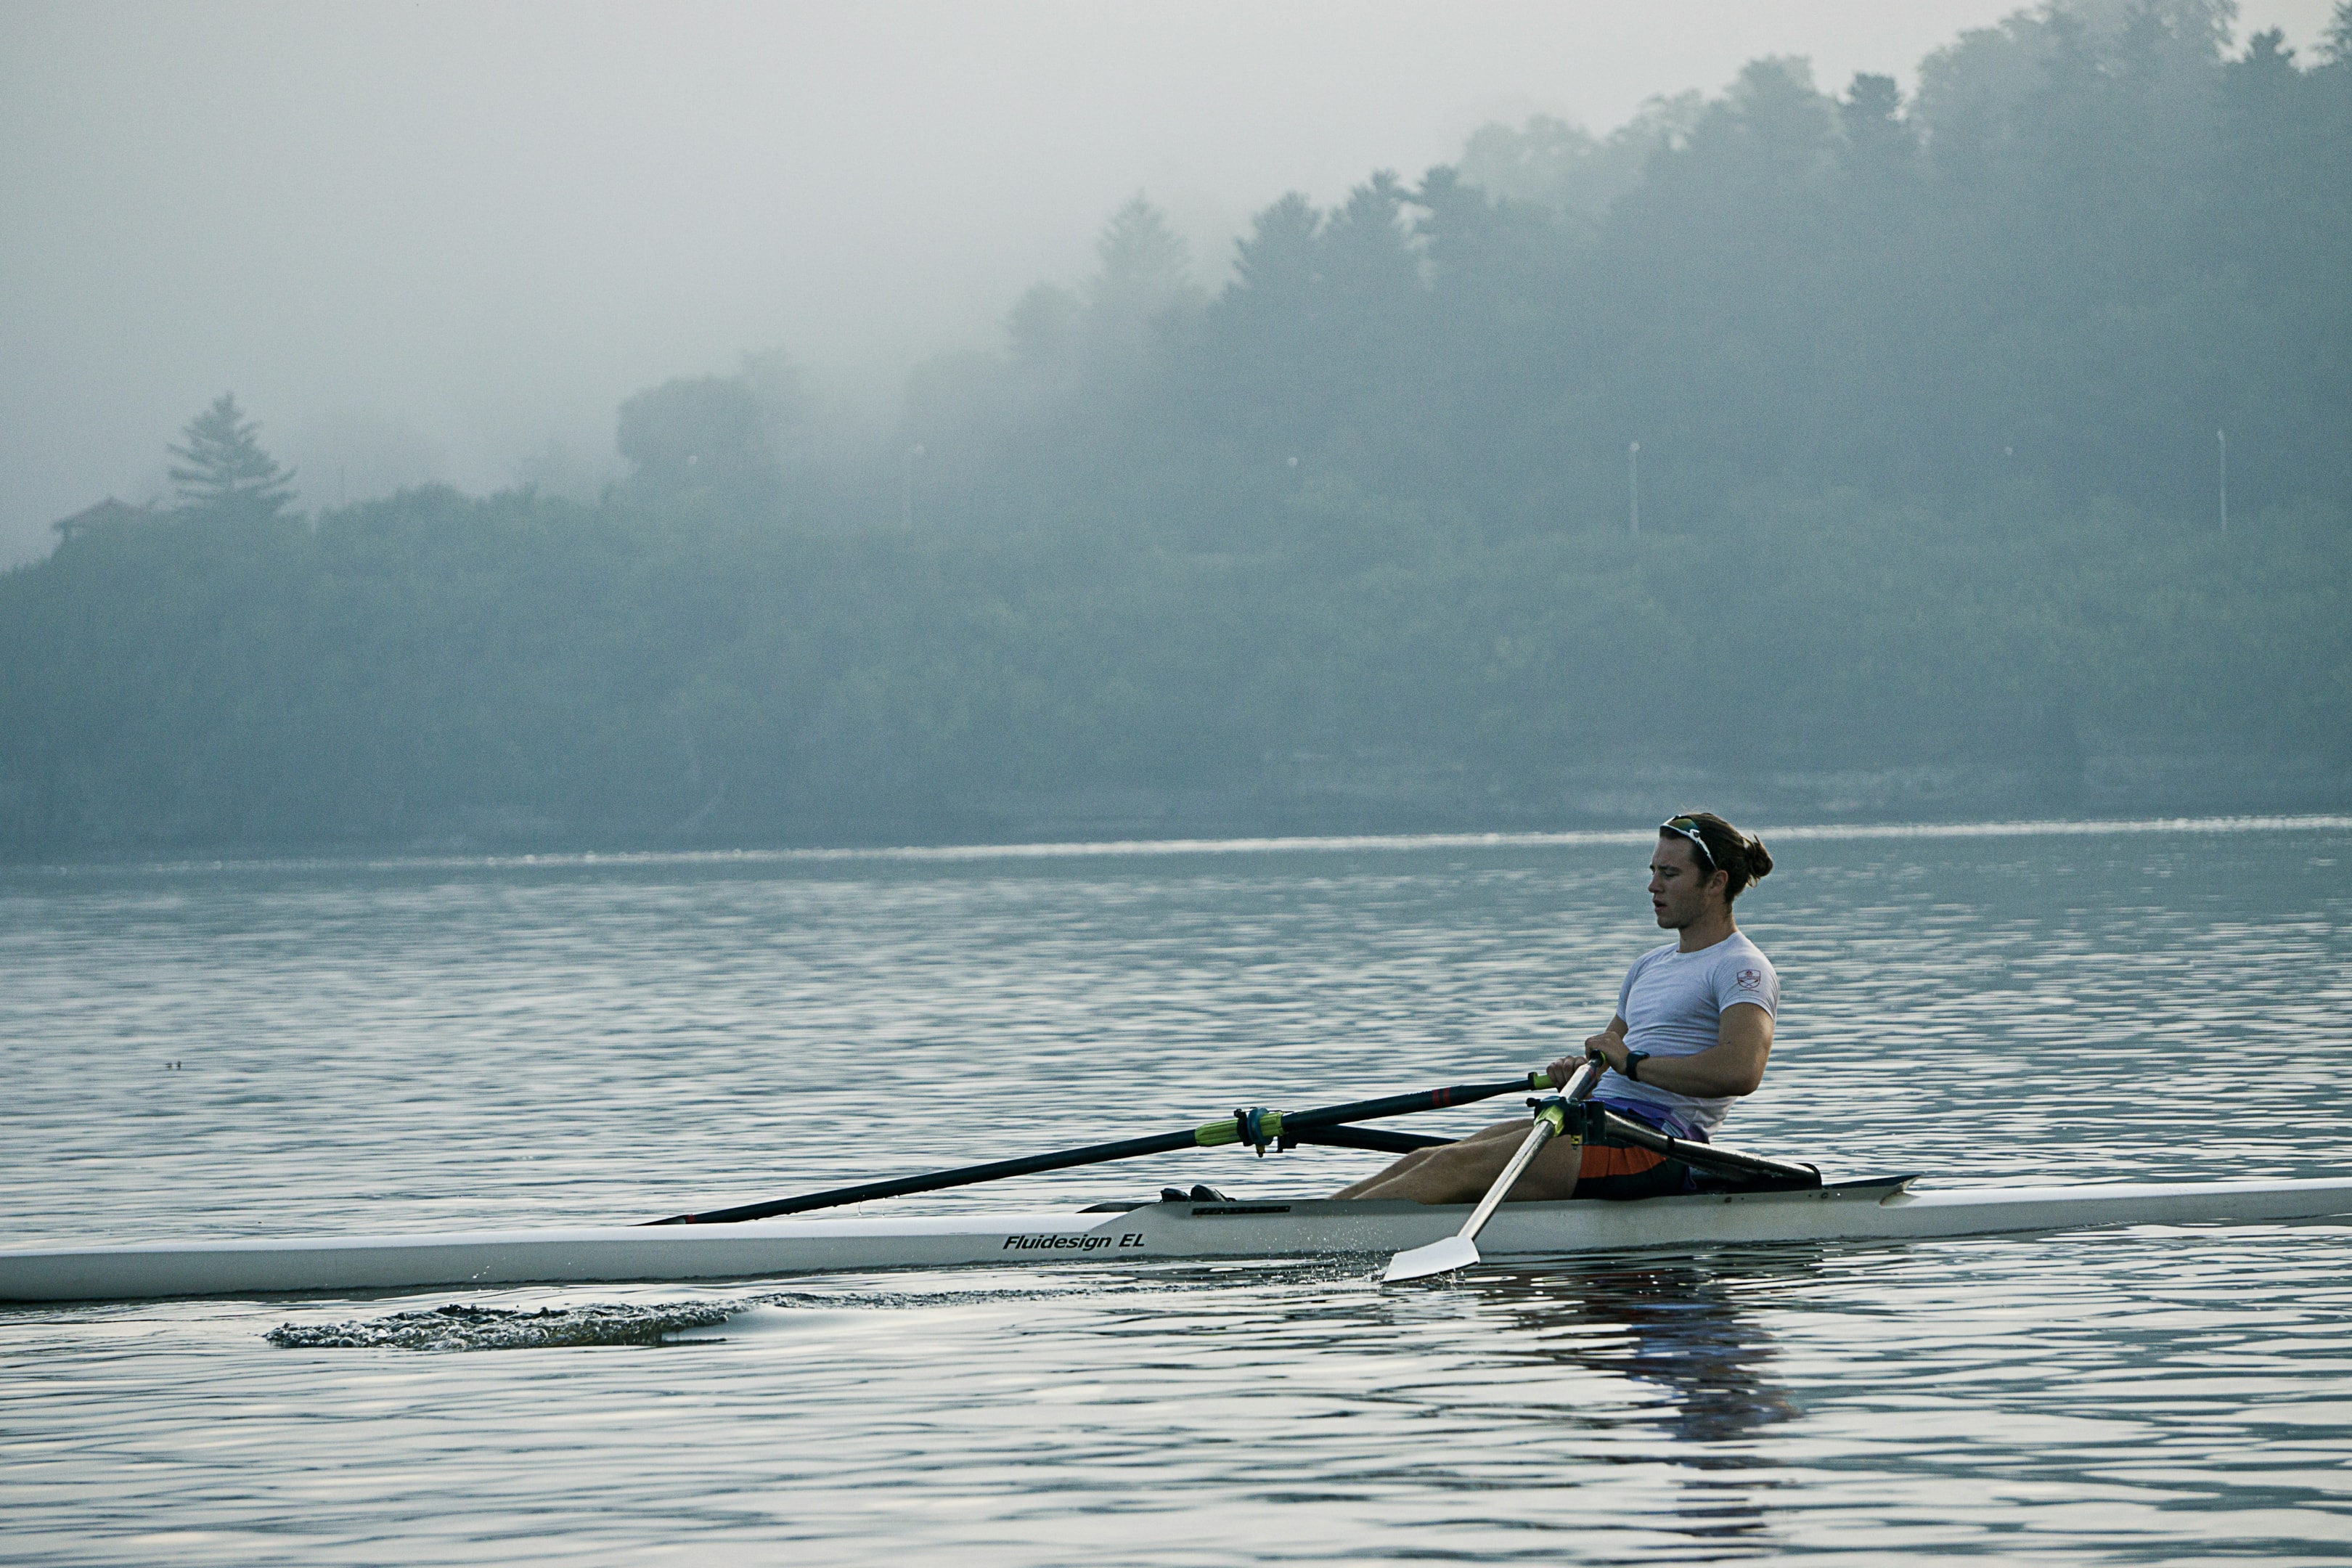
(1733, 1066)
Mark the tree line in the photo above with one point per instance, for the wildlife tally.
(1928, 396)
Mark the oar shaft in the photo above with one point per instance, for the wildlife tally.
(900, 1186)
(1546, 1128)
(1704, 1156)
(1377, 1139)
(1263, 1127)
(1551, 1120)
(1407, 1104)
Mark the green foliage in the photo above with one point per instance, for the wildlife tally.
(1925, 393)
(1146, 267)
(2094, 238)
(708, 433)
(223, 469)
(432, 668)
(1546, 161)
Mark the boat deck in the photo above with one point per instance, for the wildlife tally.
(1880, 1209)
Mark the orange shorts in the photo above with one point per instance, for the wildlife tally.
(1613, 1171)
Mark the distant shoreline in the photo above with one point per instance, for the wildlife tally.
(1081, 849)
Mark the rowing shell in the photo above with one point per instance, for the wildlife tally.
(1862, 1211)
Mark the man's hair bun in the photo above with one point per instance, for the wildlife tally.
(1740, 857)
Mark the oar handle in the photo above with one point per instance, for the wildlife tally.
(1584, 1079)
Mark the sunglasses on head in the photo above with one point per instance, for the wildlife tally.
(1687, 827)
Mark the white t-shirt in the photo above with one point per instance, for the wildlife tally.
(1672, 1002)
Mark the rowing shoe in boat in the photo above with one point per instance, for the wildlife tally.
(1882, 1210)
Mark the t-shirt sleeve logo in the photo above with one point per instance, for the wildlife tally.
(1749, 979)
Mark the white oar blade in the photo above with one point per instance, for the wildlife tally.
(1438, 1257)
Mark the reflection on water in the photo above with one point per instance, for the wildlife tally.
(1676, 1326)
(406, 1046)
(1674, 1322)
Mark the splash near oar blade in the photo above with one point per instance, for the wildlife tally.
(1438, 1257)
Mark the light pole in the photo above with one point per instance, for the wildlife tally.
(2222, 438)
(913, 452)
(1633, 481)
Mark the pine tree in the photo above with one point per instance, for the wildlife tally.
(1146, 267)
(226, 471)
(2335, 43)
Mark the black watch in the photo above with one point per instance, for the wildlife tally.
(1633, 1060)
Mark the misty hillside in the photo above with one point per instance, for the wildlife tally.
(1808, 452)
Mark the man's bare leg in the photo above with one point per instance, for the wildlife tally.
(1415, 1166)
(1460, 1172)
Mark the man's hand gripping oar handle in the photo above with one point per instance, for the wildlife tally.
(1460, 1250)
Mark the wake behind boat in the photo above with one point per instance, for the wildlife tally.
(1756, 1201)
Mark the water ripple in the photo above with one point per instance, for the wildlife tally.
(411, 1047)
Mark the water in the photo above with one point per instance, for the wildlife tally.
(426, 1044)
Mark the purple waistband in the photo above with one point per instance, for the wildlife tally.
(1665, 1121)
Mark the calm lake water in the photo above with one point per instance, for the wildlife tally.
(425, 1044)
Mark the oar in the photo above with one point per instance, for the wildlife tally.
(1259, 1129)
(1754, 1172)
(1377, 1139)
(1460, 1250)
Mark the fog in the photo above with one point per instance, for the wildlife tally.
(930, 423)
(444, 241)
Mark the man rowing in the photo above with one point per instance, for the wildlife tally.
(1692, 1032)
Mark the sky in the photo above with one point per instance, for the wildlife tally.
(426, 240)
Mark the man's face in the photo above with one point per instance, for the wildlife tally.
(1680, 886)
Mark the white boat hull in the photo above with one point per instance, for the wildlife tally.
(1271, 1228)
